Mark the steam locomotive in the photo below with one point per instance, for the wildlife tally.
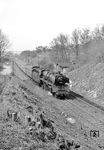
(55, 82)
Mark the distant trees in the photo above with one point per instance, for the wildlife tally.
(98, 33)
(9, 54)
(63, 45)
(4, 43)
(25, 55)
(75, 40)
(85, 36)
(41, 49)
(65, 48)
(72, 49)
(102, 31)
(29, 55)
(60, 46)
(80, 37)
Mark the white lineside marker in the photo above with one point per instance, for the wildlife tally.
(93, 93)
(49, 93)
(70, 83)
(71, 120)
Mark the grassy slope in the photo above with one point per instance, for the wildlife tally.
(93, 49)
(89, 80)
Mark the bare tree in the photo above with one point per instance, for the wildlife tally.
(41, 49)
(60, 46)
(96, 34)
(84, 36)
(75, 40)
(4, 43)
(102, 31)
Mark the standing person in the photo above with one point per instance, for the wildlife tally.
(57, 68)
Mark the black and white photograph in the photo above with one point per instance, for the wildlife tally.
(51, 75)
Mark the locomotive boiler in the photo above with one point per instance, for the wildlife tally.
(55, 82)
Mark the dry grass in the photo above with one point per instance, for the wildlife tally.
(89, 80)
(16, 134)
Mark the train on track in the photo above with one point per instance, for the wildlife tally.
(55, 82)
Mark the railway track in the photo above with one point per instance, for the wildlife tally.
(79, 105)
(79, 97)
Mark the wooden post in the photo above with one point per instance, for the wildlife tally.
(15, 116)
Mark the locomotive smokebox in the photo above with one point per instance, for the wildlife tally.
(61, 80)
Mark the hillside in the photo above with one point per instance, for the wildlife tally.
(91, 52)
(89, 80)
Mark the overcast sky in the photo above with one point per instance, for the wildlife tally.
(31, 23)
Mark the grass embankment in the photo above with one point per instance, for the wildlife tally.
(89, 80)
(1, 66)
